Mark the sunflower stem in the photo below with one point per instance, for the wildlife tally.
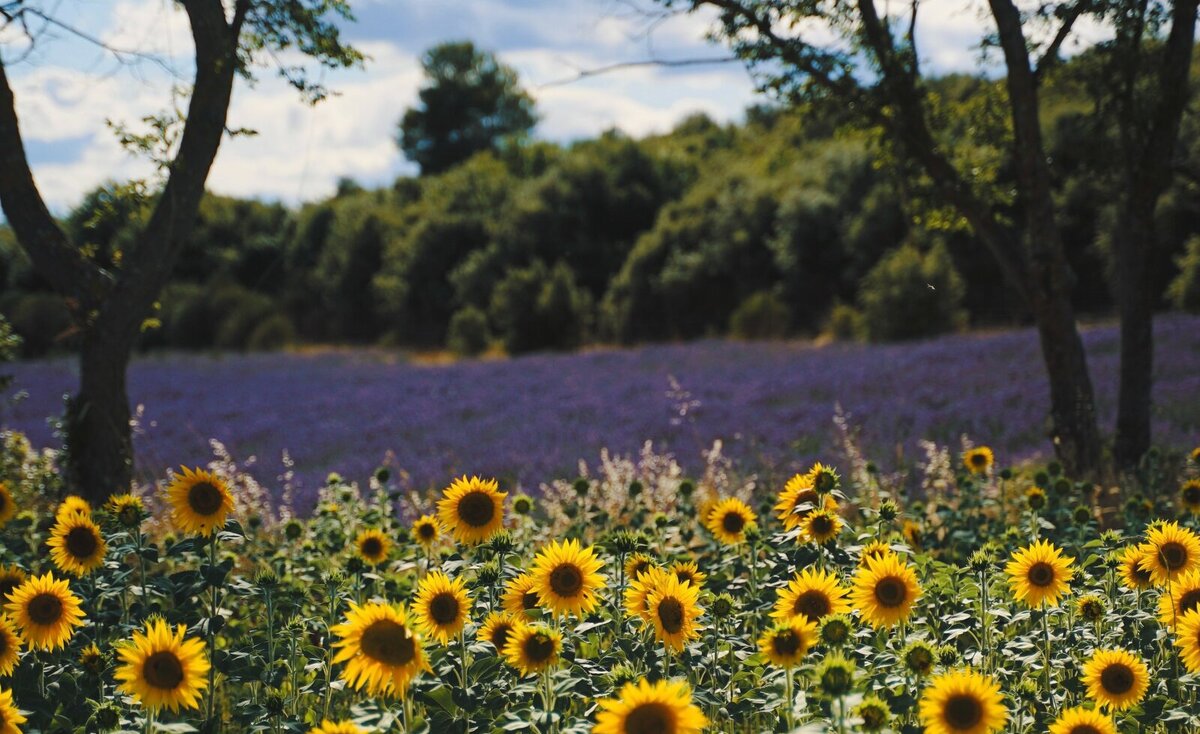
(789, 704)
(211, 633)
(1046, 635)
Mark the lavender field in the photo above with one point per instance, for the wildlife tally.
(530, 419)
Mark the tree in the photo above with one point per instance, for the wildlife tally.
(472, 103)
(109, 304)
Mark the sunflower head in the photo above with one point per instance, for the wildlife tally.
(91, 659)
(1187, 639)
(1179, 598)
(813, 593)
(532, 648)
(496, 628)
(836, 630)
(874, 712)
(1169, 552)
(567, 577)
(636, 565)
(442, 606)
(799, 498)
(663, 707)
(8, 507)
(835, 675)
(1189, 496)
(10, 646)
(128, 509)
(821, 526)
(10, 715)
(337, 727)
(73, 505)
(472, 509)
(161, 668)
(1035, 498)
(689, 573)
(962, 702)
(46, 611)
(637, 593)
(1115, 679)
(10, 578)
(913, 534)
(874, 548)
(1090, 607)
(1040, 574)
(1133, 574)
(76, 545)
(521, 597)
(425, 530)
(884, 591)
(673, 607)
(1080, 720)
(381, 650)
(978, 460)
(200, 501)
(785, 644)
(919, 657)
(373, 546)
(729, 519)
(522, 504)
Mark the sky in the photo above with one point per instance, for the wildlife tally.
(68, 89)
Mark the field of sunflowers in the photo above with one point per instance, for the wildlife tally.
(975, 599)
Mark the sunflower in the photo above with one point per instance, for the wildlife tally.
(496, 628)
(76, 545)
(10, 578)
(1080, 720)
(1039, 574)
(813, 593)
(92, 660)
(689, 573)
(1195, 455)
(821, 526)
(1187, 634)
(373, 546)
(962, 702)
(8, 508)
(381, 651)
(672, 607)
(338, 727)
(1133, 574)
(426, 530)
(46, 611)
(10, 646)
(912, 534)
(729, 519)
(520, 596)
(874, 548)
(884, 591)
(1115, 679)
(567, 577)
(636, 565)
(532, 648)
(128, 509)
(10, 716)
(1189, 496)
(442, 606)
(1169, 552)
(1181, 597)
(161, 669)
(978, 460)
(663, 707)
(472, 509)
(73, 505)
(798, 498)
(200, 501)
(637, 594)
(786, 643)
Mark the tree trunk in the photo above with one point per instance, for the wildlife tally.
(1131, 238)
(99, 441)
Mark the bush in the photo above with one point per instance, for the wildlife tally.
(539, 308)
(240, 312)
(763, 315)
(273, 332)
(909, 295)
(1184, 291)
(845, 323)
(468, 333)
(41, 320)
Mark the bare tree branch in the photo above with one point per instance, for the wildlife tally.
(1050, 55)
(619, 66)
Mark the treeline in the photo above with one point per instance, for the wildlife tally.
(789, 223)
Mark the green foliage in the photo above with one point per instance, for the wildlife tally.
(537, 308)
(762, 315)
(471, 103)
(1184, 291)
(910, 294)
(41, 320)
(468, 334)
(845, 323)
(10, 347)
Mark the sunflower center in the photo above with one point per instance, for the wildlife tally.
(1117, 679)
(685, 576)
(1189, 601)
(978, 461)
(3, 644)
(45, 609)
(1191, 496)
(733, 522)
(812, 604)
(821, 525)
(7, 584)
(1142, 575)
(539, 648)
(670, 614)
(204, 499)
(650, 718)
(163, 670)
(427, 531)
(639, 569)
(443, 608)
(389, 643)
(1084, 729)
(500, 635)
(806, 497)
(963, 712)
(891, 592)
(530, 600)
(786, 643)
(81, 542)
(3, 501)
(1173, 555)
(476, 509)
(372, 547)
(566, 580)
(1041, 574)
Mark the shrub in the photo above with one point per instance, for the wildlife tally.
(909, 295)
(1184, 291)
(539, 308)
(845, 323)
(763, 315)
(468, 333)
(41, 320)
(273, 332)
